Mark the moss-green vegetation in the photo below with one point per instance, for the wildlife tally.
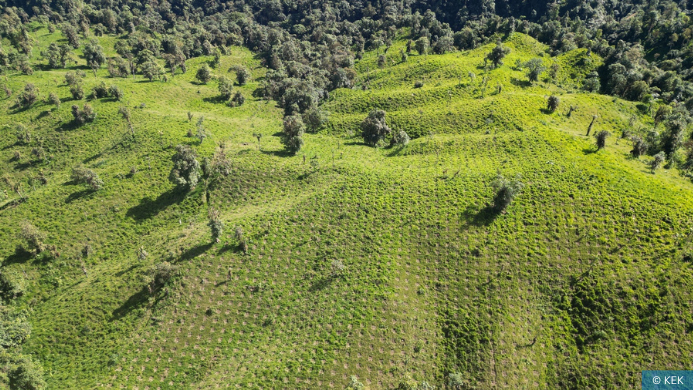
(391, 264)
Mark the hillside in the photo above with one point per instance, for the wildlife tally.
(580, 283)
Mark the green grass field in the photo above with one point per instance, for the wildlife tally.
(581, 284)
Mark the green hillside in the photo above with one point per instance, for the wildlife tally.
(582, 283)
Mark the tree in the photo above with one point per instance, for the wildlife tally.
(100, 91)
(58, 55)
(381, 61)
(658, 160)
(374, 128)
(77, 92)
(82, 175)
(506, 191)
(27, 375)
(93, 53)
(115, 92)
(32, 237)
(601, 139)
(87, 114)
(215, 224)
(28, 96)
(673, 137)
(242, 75)
(204, 74)
(552, 103)
(54, 100)
(421, 45)
(639, 146)
(186, 169)
(315, 119)
(237, 100)
(401, 138)
(292, 137)
(159, 275)
(498, 53)
(589, 129)
(225, 87)
(70, 34)
(535, 68)
(152, 70)
(202, 133)
(592, 83)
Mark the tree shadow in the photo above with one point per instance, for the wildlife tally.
(278, 153)
(25, 165)
(589, 150)
(123, 272)
(42, 115)
(479, 218)
(134, 302)
(149, 207)
(215, 99)
(79, 195)
(69, 126)
(520, 83)
(546, 111)
(92, 158)
(19, 256)
(396, 151)
(194, 252)
(321, 284)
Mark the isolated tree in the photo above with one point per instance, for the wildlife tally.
(77, 92)
(421, 45)
(33, 238)
(337, 268)
(374, 128)
(237, 100)
(82, 175)
(159, 275)
(242, 75)
(71, 35)
(589, 129)
(28, 96)
(552, 103)
(54, 100)
(204, 74)
(292, 137)
(658, 160)
(498, 53)
(238, 233)
(215, 224)
(186, 169)
(115, 92)
(58, 56)
(225, 87)
(93, 53)
(601, 139)
(87, 114)
(535, 68)
(506, 191)
(354, 384)
(100, 91)
(152, 70)
(202, 133)
(73, 78)
(381, 61)
(639, 146)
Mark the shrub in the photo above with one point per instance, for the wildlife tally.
(498, 53)
(23, 135)
(100, 91)
(238, 233)
(32, 238)
(204, 74)
(658, 160)
(535, 68)
(28, 96)
(242, 75)
(77, 92)
(418, 84)
(315, 119)
(215, 224)
(11, 287)
(552, 103)
(639, 146)
(401, 138)
(337, 268)
(506, 191)
(87, 114)
(73, 78)
(237, 100)
(421, 45)
(293, 132)
(186, 169)
(54, 99)
(160, 274)
(82, 175)
(115, 92)
(225, 87)
(374, 128)
(152, 70)
(601, 139)
(27, 375)
(354, 384)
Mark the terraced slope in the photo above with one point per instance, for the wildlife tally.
(582, 283)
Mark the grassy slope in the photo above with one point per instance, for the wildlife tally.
(434, 283)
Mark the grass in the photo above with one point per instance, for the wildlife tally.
(579, 284)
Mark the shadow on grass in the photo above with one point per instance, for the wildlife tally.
(79, 195)
(134, 302)
(19, 256)
(215, 99)
(194, 252)
(590, 150)
(123, 272)
(322, 284)
(520, 83)
(396, 151)
(483, 217)
(149, 207)
(26, 165)
(278, 153)
(69, 126)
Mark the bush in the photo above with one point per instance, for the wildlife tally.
(552, 103)
(77, 92)
(639, 146)
(498, 53)
(152, 70)
(225, 87)
(11, 287)
(401, 138)
(658, 160)
(115, 92)
(506, 191)
(100, 91)
(27, 376)
(82, 175)
(87, 114)
(28, 96)
(204, 74)
(374, 128)
(535, 68)
(293, 132)
(601, 139)
(186, 169)
(242, 75)
(237, 100)
(32, 238)
(315, 119)
(418, 84)
(215, 224)
(73, 78)
(159, 275)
